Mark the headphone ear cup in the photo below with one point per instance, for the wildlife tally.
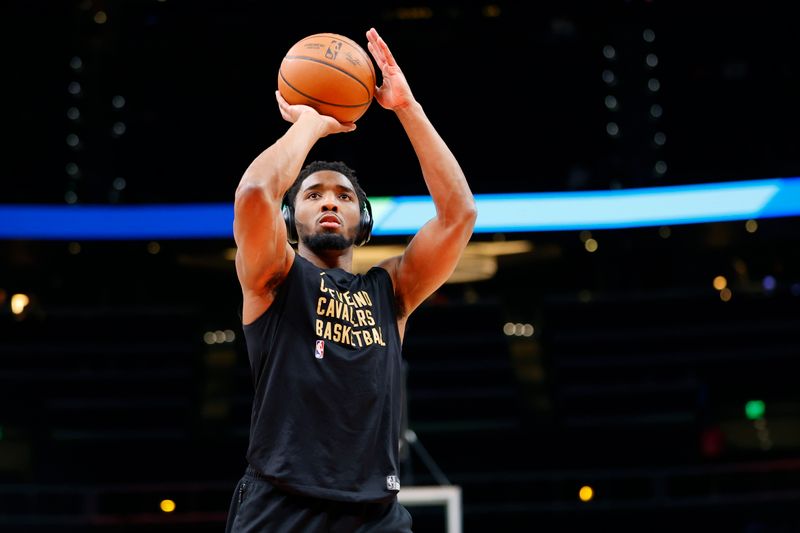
(365, 225)
(291, 228)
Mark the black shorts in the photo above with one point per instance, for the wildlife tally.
(258, 506)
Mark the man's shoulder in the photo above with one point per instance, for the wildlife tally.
(389, 265)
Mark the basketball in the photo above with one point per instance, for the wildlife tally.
(330, 73)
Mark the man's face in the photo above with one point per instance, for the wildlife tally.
(327, 211)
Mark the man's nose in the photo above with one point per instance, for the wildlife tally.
(330, 204)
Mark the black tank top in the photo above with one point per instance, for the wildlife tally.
(326, 362)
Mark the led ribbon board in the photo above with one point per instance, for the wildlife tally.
(404, 215)
(659, 206)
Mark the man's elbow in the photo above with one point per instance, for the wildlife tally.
(250, 199)
(471, 215)
(464, 219)
(248, 192)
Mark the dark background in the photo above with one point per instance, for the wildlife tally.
(637, 374)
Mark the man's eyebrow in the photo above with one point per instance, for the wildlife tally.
(317, 186)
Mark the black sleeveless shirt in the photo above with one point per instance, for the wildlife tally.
(326, 362)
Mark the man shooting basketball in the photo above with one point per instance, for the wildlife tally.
(325, 344)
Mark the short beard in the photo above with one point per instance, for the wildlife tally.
(325, 242)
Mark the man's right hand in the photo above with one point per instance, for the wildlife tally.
(292, 112)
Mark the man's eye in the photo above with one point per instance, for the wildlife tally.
(345, 197)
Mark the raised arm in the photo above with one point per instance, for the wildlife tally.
(433, 253)
(263, 255)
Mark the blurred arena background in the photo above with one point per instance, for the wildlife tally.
(640, 378)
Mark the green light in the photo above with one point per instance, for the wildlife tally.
(381, 206)
(754, 409)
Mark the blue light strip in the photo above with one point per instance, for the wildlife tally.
(404, 215)
(660, 206)
(87, 222)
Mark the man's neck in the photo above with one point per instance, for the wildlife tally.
(328, 258)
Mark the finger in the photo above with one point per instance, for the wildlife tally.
(384, 48)
(376, 53)
(378, 47)
(282, 103)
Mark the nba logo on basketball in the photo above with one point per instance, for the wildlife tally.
(319, 351)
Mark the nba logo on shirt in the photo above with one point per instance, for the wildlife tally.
(319, 351)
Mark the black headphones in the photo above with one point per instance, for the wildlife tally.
(364, 226)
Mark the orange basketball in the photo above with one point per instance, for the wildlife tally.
(330, 73)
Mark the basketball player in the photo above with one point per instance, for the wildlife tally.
(325, 344)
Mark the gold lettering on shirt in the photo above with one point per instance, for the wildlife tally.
(346, 318)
